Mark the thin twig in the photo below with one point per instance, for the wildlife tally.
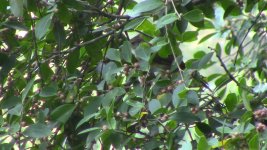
(102, 13)
(104, 56)
(147, 35)
(229, 73)
(175, 10)
(189, 133)
(172, 48)
(86, 43)
(35, 45)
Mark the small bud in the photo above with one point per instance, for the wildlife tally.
(104, 127)
(194, 110)
(136, 65)
(170, 88)
(118, 114)
(261, 127)
(163, 90)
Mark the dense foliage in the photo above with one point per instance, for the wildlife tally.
(151, 74)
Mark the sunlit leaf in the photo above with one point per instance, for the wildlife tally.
(43, 25)
(37, 131)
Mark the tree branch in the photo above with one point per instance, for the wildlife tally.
(229, 74)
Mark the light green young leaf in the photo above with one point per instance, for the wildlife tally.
(203, 144)
(254, 142)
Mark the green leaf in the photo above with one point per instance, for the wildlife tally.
(145, 6)
(136, 108)
(142, 53)
(6, 146)
(26, 90)
(3, 58)
(43, 25)
(181, 25)
(46, 71)
(109, 71)
(205, 38)
(228, 46)
(195, 15)
(246, 101)
(37, 131)
(147, 27)
(73, 61)
(126, 49)
(48, 91)
(16, 110)
(204, 60)
(173, 43)
(254, 142)
(260, 88)
(186, 145)
(167, 19)
(218, 50)
(133, 23)
(92, 107)
(184, 117)
(16, 25)
(9, 102)
(16, 7)
(152, 144)
(86, 119)
(113, 54)
(59, 34)
(154, 105)
(177, 100)
(203, 144)
(62, 113)
(231, 101)
(192, 97)
(190, 36)
(89, 130)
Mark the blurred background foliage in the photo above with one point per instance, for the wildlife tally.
(126, 74)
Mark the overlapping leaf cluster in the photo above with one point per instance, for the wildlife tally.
(90, 74)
